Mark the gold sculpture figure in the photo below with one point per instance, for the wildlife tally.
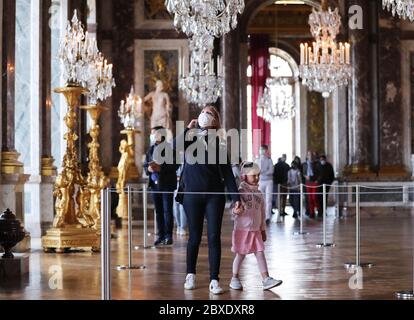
(126, 149)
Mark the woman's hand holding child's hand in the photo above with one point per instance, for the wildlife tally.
(238, 208)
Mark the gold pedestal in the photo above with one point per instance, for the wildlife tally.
(10, 163)
(395, 172)
(122, 209)
(71, 225)
(96, 179)
(133, 173)
(359, 171)
(61, 240)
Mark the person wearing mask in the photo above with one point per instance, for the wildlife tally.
(266, 179)
(204, 186)
(280, 180)
(310, 174)
(249, 234)
(326, 175)
(162, 182)
(298, 162)
(294, 182)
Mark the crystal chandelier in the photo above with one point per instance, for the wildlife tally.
(130, 111)
(202, 86)
(325, 65)
(403, 8)
(215, 17)
(281, 105)
(77, 52)
(100, 81)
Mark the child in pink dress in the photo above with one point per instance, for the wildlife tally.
(249, 232)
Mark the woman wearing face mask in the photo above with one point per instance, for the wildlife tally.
(206, 181)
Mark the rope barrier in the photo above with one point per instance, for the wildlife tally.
(106, 230)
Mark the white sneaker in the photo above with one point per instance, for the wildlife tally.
(181, 232)
(235, 284)
(190, 282)
(215, 288)
(271, 283)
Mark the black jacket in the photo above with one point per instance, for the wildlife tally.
(167, 180)
(326, 174)
(207, 177)
(280, 174)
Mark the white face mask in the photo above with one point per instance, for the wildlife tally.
(262, 152)
(153, 138)
(205, 120)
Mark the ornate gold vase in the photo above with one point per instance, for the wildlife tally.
(71, 227)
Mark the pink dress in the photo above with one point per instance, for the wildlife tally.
(247, 234)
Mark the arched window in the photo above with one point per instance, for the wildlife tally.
(282, 92)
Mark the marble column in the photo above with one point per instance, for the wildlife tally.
(391, 111)
(360, 113)
(12, 177)
(123, 60)
(48, 171)
(230, 107)
(10, 162)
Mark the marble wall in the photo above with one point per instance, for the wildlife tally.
(390, 99)
(316, 123)
(23, 81)
(57, 22)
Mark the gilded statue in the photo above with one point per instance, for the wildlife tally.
(83, 199)
(155, 9)
(161, 71)
(127, 159)
(64, 206)
(126, 162)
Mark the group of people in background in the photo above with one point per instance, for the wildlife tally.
(281, 180)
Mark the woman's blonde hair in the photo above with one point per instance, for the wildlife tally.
(216, 115)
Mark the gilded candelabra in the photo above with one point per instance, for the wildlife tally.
(70, 226)
(96, 179)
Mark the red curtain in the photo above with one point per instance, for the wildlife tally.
(259, 59)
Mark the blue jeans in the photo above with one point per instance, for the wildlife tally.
(163, 203)
(198, 207)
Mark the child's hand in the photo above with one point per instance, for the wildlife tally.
(264, 236)
(238, 208)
